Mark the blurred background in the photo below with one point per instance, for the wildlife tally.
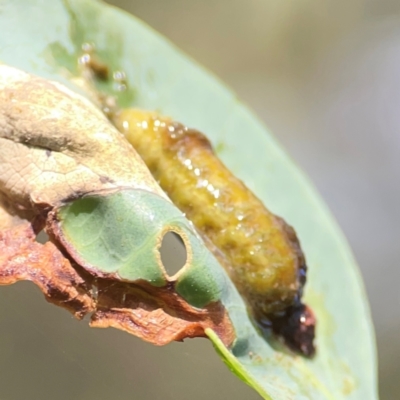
(325, 78)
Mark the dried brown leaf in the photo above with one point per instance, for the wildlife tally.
(157, 315)
(50, 142)
(54, 146)
(22, 258)
(7, 219)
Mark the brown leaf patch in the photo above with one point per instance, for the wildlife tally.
(50, 142)
(21, 258)
(157, 315)
(11, 214)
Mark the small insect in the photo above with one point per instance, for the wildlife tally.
(260, 252)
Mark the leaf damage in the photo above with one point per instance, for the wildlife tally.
(157, 315)
(22, 258)
(50, 142)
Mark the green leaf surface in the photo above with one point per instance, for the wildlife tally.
(45, 37)
(122, 232)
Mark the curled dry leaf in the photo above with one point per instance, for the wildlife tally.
(7, 219)
(157, 315)
(22, 258)
(55, 148)
(55, 145)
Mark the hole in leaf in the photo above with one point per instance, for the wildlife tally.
(173, 253)
(42, 237)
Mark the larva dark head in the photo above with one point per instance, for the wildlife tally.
(296, 326)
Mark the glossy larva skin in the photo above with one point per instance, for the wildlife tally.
(259, 250)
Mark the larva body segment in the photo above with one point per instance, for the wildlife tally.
(260, 251)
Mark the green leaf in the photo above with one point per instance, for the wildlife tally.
(122, 232)
(45, 37)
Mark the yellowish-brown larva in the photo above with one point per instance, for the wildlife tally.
(259, 250)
